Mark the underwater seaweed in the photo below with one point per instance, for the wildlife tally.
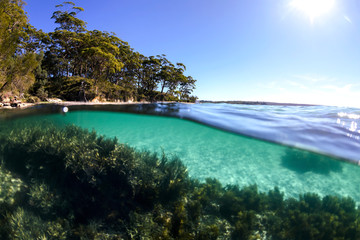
(72, 183)
(9, 187)
(24, 225)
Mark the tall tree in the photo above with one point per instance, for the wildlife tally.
(17, 57)
(80, 64)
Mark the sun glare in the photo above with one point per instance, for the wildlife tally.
(313, 8)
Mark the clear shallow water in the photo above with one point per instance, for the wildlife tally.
(329, 130)
(232, 158)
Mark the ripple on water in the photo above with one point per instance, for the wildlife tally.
(235, 159)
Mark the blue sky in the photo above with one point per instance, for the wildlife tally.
(261, 50)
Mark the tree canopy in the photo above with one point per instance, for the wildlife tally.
(74, 63)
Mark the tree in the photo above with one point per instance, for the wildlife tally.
(17, 57)
(80, 64)
(186, 88)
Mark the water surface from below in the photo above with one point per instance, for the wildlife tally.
(231, 158)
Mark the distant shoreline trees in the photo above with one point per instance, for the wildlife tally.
(74, 63)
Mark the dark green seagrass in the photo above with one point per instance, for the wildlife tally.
(70, 183)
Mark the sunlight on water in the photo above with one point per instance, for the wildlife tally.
(231, 158)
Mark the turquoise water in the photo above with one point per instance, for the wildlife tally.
(231, 158)
(326, 129)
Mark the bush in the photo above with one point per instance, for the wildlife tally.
(32, 99)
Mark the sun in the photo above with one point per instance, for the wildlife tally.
(313, 8)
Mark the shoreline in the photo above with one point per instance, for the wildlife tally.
(7, 105)
(74, 103)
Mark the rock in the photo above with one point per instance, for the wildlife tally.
(5, 99)
(54, 100)
(96, 100)
(15, 104)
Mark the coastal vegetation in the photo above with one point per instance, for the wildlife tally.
(78, 64)
(70, 183)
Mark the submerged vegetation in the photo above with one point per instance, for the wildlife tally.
(74, 63)
(302, 162)
(70, 183)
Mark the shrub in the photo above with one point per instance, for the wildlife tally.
(32, 99)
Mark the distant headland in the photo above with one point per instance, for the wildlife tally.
(257, 103)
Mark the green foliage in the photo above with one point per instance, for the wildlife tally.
(108, 67)
(38, 89)
(19, 73)
(78, 64)
(12, 23)
(32, 99)
(17, 60)
(77, 89)
(72, 183)
(67, 19)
